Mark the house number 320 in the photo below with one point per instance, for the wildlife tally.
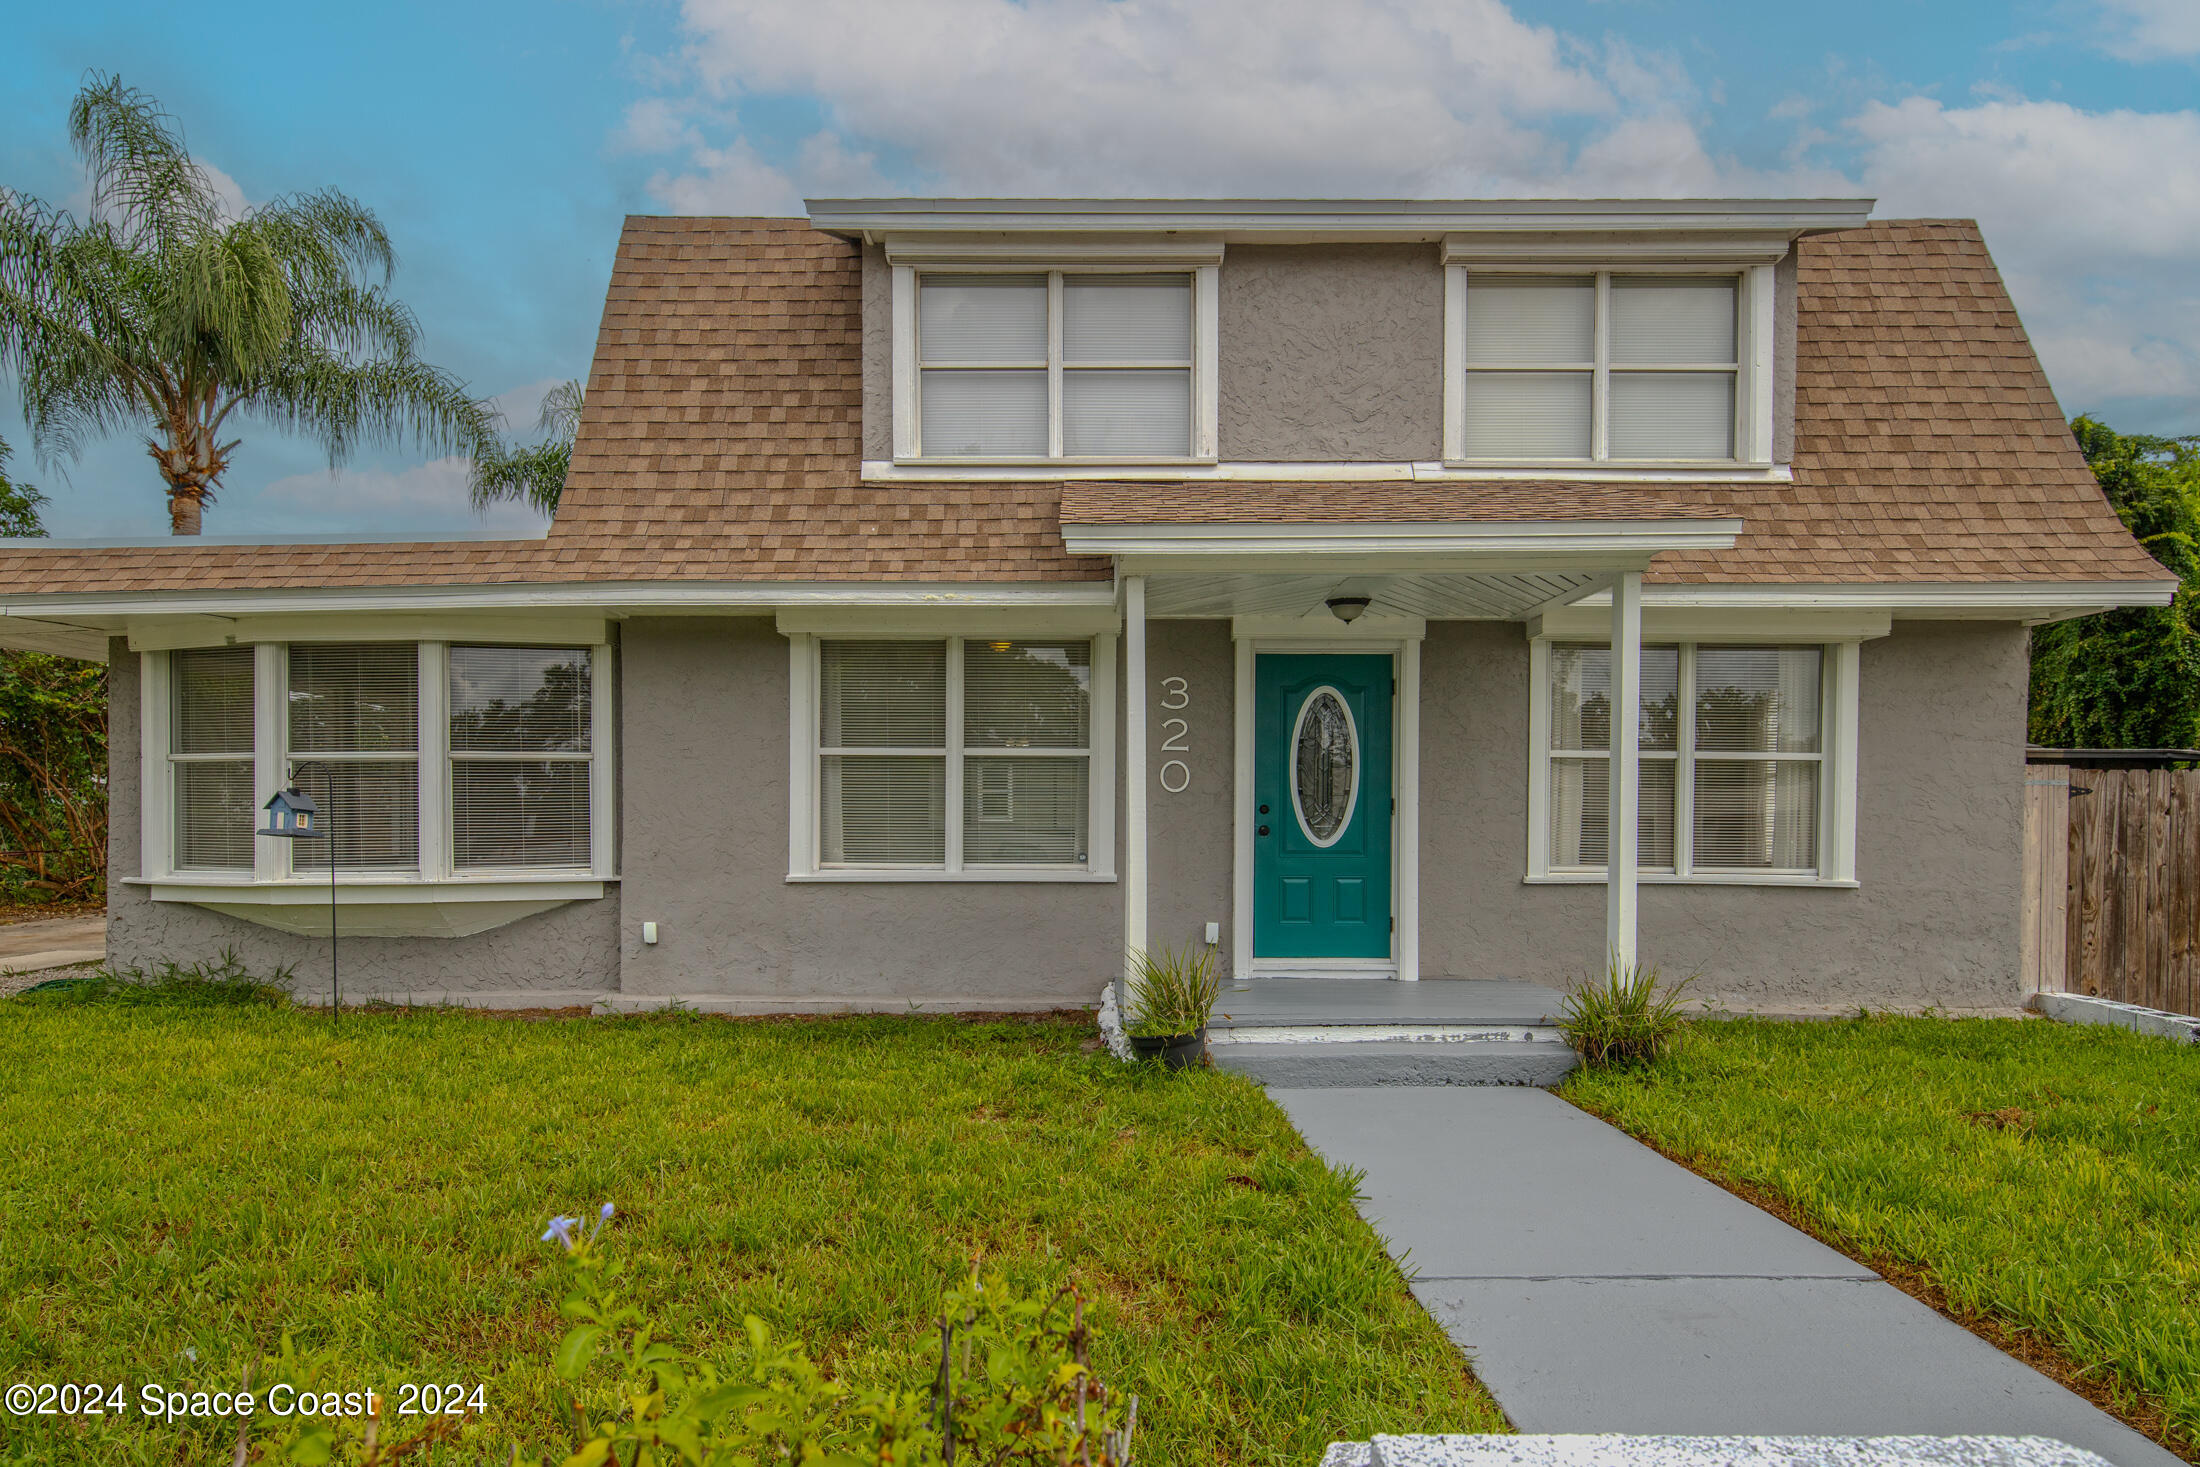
(1176, 733)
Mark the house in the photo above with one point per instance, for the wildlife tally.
(951, 594)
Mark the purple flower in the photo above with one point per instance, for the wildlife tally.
(605, 1215)
(561, 1230)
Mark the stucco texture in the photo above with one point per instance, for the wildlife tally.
(1330, 353)
(705, 801)
(573, 948)
(1188, 831)
(1939, 841)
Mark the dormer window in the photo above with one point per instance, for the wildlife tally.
(1094, 356)
(1645, 367)
(1058, 365)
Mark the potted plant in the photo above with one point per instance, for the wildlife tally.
(1173, 990)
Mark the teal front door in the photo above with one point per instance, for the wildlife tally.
(1322, 805)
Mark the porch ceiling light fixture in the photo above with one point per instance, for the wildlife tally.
(1347, 609)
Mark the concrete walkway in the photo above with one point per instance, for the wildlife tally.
(1599, 1287)
(27, 947)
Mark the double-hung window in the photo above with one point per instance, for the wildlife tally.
(354, 714)
(1601, 367)
(430, 760)
(1734, 759)
(1054, 365)
(210, 758)
(952, 755)
(521, 735)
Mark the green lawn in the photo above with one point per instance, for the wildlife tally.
(2045, 1177)
(181, 1186)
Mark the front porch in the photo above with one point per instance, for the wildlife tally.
(1328, 599)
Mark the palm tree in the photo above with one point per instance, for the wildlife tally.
(532, 473)
(159, 314)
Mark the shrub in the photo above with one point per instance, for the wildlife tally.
(1174, 990)
(220, 983)
(1627, 1017)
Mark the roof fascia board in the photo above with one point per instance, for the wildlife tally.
(1981, 600)
(1430, 471)
(1677, 248)
(1445, 538)
(933, 250)
(613, 599)
(1246, 219)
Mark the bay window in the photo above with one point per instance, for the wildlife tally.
(951, 756)
(1737, 779)
(431, 761)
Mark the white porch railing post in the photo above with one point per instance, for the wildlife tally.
(1134, 783)
(1624, 774)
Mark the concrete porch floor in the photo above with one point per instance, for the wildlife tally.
(1262, 1003)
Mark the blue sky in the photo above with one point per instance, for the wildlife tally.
(502, 142)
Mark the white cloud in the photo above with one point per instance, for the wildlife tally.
(429, 497)
(2093, 216)
(1161, 96)
(2151, 30)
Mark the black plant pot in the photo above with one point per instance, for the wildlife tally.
(1175, 1051)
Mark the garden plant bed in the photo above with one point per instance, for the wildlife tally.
(2038, 1184)
(186, 1184)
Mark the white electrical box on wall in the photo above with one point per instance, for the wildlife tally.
(649, 934)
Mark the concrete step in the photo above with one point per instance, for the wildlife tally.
(1309, 1065)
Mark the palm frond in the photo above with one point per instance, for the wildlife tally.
(533, 474)
(141, 172)
(321, 394)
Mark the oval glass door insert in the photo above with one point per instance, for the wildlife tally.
(1325, 766)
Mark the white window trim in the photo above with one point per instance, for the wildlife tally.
(1754, 328)
(805, 810)
(1205, 364)
(437, 878)
(1838, 709)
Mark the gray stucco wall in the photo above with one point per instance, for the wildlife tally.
(1331, 352)
(1189, 834)
(878, 354)
(1939, 841)
(705, 797)
(573, 947)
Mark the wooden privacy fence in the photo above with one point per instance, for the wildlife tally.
(2112, 884)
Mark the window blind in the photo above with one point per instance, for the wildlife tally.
(521, 721)
(1531, 321)
(1029, 804)
(984, 319)
(1127, 413)
(987, 367)
(1666, 388)
(356, 708)
(210, 758)
(883, 809)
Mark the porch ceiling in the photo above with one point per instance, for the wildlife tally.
(1433, 595)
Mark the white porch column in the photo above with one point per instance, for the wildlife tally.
(1134, 780)
(1624, 774)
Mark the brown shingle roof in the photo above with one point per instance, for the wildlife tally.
(722, 443)
(1928, 445)
(1235, 501)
